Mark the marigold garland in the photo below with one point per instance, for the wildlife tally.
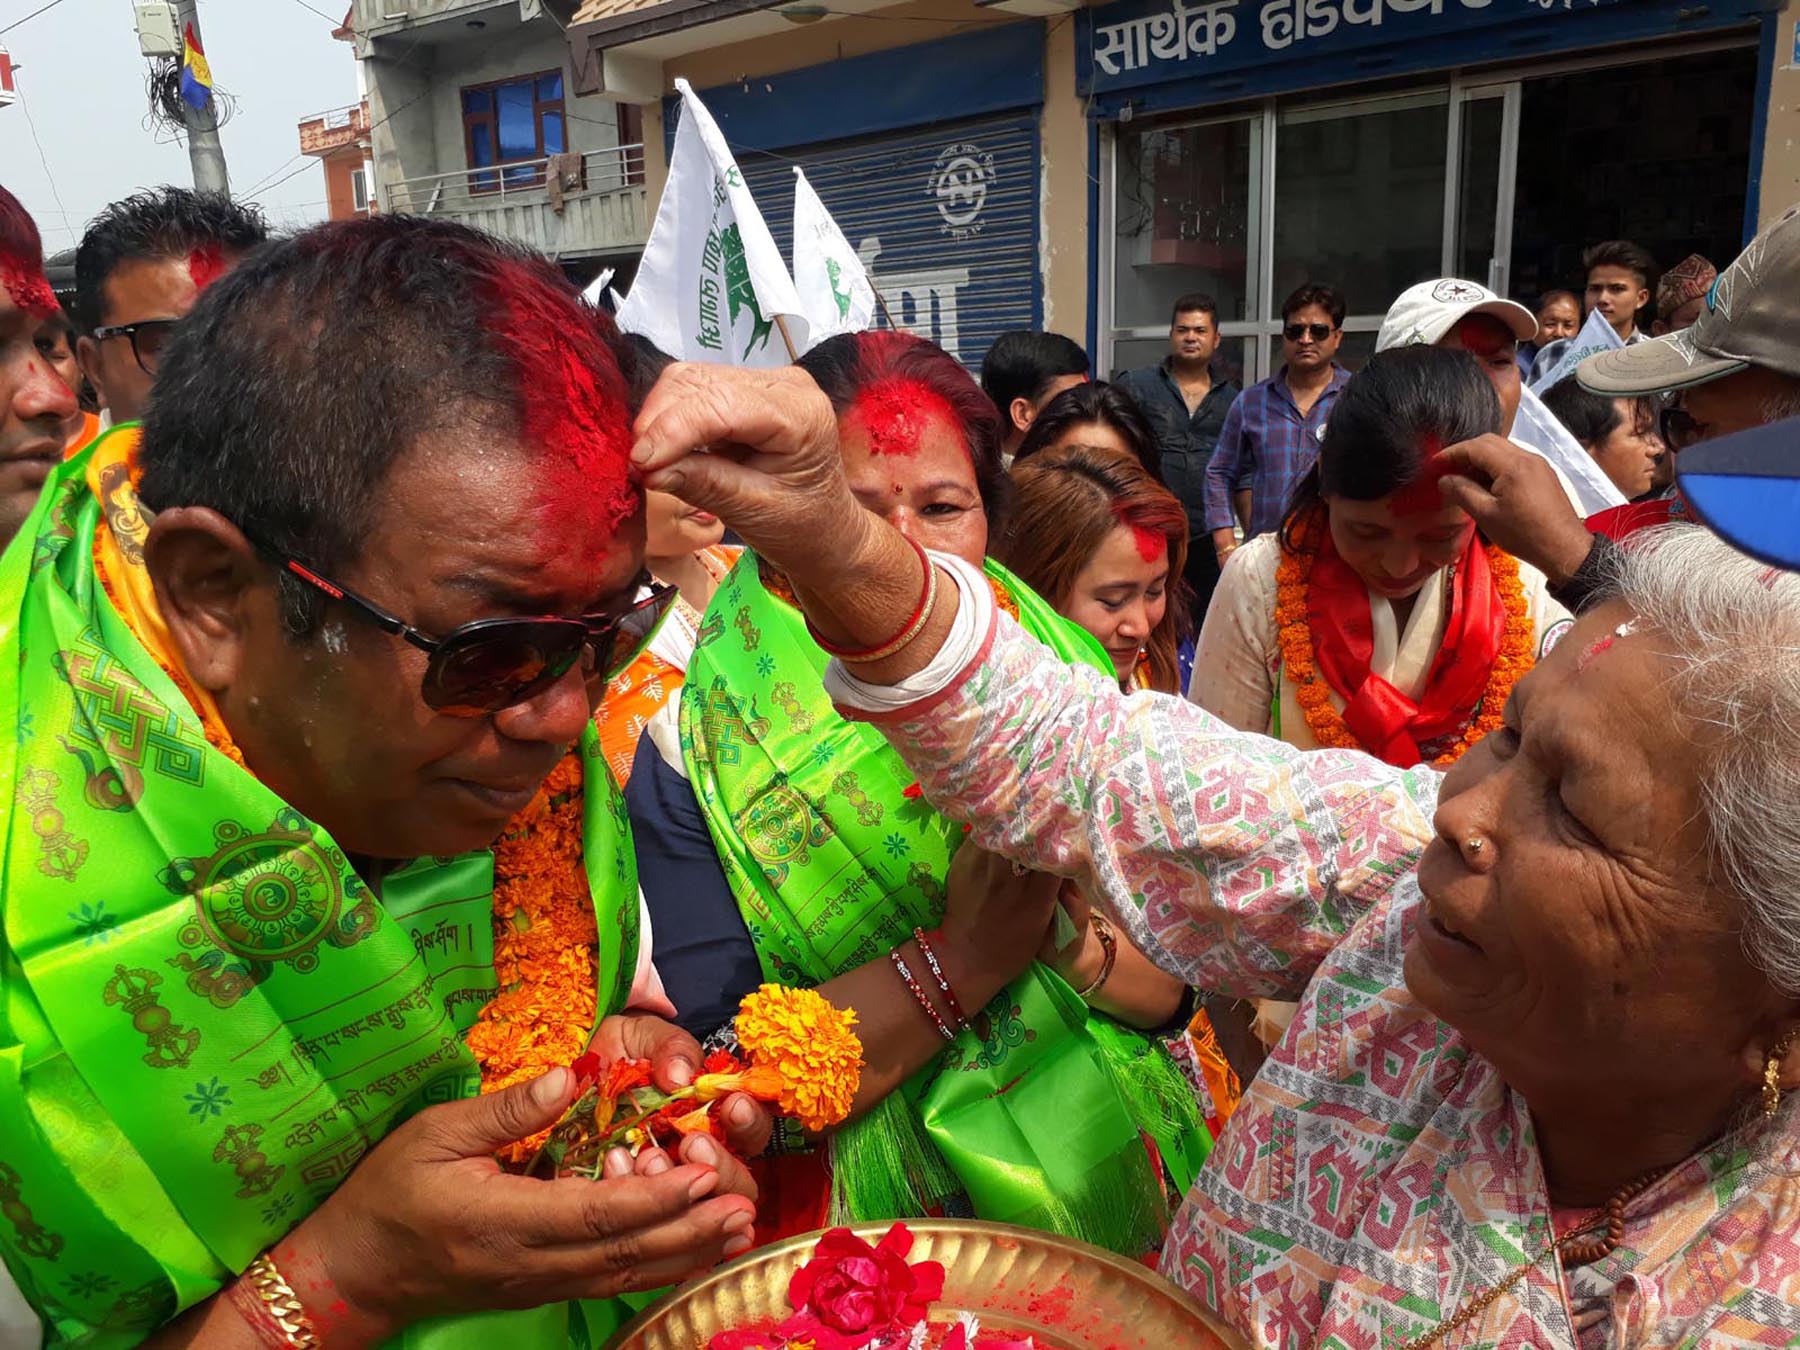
(1292, 575)
(809, 1041)
(544, 945)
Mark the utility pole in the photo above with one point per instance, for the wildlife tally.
(205, 153)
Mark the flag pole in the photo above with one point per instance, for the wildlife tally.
(786, 338)
(881, 305)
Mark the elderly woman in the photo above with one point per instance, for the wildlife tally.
(1534, 1095)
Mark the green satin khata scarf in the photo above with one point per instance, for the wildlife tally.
(206, 1017)
(1037, 1113)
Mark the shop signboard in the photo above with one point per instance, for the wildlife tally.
(1133, 43)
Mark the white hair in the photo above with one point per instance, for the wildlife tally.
(1735, 627)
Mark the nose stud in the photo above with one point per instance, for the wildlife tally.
(1475, 843)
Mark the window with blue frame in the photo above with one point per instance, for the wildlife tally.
(515, 122)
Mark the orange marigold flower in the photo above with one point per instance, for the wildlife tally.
(809, 1042)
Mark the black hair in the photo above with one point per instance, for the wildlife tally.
(1558, 294)
(1022, 364)
(847, 365)
(1192, 301)
(1328, 298)
(642, 363)
(169, 222)
(1590, 418)
(1622, 253)
(302, 375)
(1405, 404)
(1083, 404)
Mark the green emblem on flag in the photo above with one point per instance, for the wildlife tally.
(740, 292)
(836, 273)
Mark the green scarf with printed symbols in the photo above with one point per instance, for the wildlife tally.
(206, 1016)
(1038, 1112)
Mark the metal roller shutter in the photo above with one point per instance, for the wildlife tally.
(945, 218)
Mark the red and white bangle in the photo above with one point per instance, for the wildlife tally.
(937, 1018)
(943, 983)
(905, 637)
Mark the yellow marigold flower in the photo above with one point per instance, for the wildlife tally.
(809, 1042)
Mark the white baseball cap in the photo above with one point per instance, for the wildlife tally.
(1424, 313)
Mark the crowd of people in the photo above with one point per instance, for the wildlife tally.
(1277, 832)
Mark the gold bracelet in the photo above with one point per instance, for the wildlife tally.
(281, 1303)
(1109, 946)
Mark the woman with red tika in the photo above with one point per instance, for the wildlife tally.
(1377, 619)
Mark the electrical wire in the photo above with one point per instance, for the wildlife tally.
(44, 159)
(41, 9)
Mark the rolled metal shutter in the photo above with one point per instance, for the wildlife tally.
(946, 219)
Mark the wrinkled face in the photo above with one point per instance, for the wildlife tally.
(1630, 452)
(335, 723)
(1734, 402)
(1493, 345)
(1559, 318)
(138, 291)
(1307, 352)
(1582, 945)
(1122, 593)
(673, 529)
(1193, 336)
(1618, 293)
(1396, 551)
(35, 407)
(921, 482)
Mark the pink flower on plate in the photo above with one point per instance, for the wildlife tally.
(850, 1287)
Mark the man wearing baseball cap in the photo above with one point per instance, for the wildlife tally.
(1450, 312)
(1736, 368)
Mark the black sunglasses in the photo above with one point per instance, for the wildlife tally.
(481, 667)
(1317, 331)
(1678, 427)
(147, 339)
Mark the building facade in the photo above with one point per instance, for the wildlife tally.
(339, 140)
(1076, 168)
(472, 117)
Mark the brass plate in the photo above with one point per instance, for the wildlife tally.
(1066, 1295)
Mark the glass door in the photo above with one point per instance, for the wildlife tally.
(1484, 139)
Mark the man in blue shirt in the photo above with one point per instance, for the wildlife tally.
(1271, 436)
(1185, 401)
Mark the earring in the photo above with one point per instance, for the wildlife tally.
(1771, 1085)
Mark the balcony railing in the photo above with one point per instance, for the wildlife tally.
(521, 182)
(325, 131)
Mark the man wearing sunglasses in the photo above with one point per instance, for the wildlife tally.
(316, 880)
(139, 268)
(1737, 367)
(1271, 435)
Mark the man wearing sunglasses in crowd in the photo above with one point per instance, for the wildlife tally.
(1271, 435)
(139, 268)
(311, 840)
(1737, 367)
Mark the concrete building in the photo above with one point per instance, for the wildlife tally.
(339, 140)
(1077, 167)
(472, 117)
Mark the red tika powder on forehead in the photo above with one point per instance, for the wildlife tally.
(896, 413)
(1422, 495)
(571, 402)
(28, 286)
(206, 264)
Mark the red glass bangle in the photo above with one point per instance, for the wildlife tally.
(913, 627)
(937, 1019)
(943, 982)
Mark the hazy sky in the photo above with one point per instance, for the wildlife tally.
(82, 81)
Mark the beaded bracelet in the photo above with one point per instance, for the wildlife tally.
(937, 1019)
(271, 1308)
(943, 983)
(1109, 946)
(913, 627)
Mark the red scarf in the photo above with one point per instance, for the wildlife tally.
(1386, 721)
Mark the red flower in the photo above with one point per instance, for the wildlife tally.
(622, 1075)
(852, 1287)
(719, 1061)
(586, 1069)
(913, 793)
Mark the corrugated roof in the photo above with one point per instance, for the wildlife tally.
(592, 10)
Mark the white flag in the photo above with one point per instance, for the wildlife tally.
(711, 282)
(1596, 335)
(1536, 428)
(598, 286)
(834, 288)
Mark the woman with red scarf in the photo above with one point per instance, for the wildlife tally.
(1377, 618)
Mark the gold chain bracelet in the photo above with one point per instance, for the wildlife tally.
(281, 1303)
